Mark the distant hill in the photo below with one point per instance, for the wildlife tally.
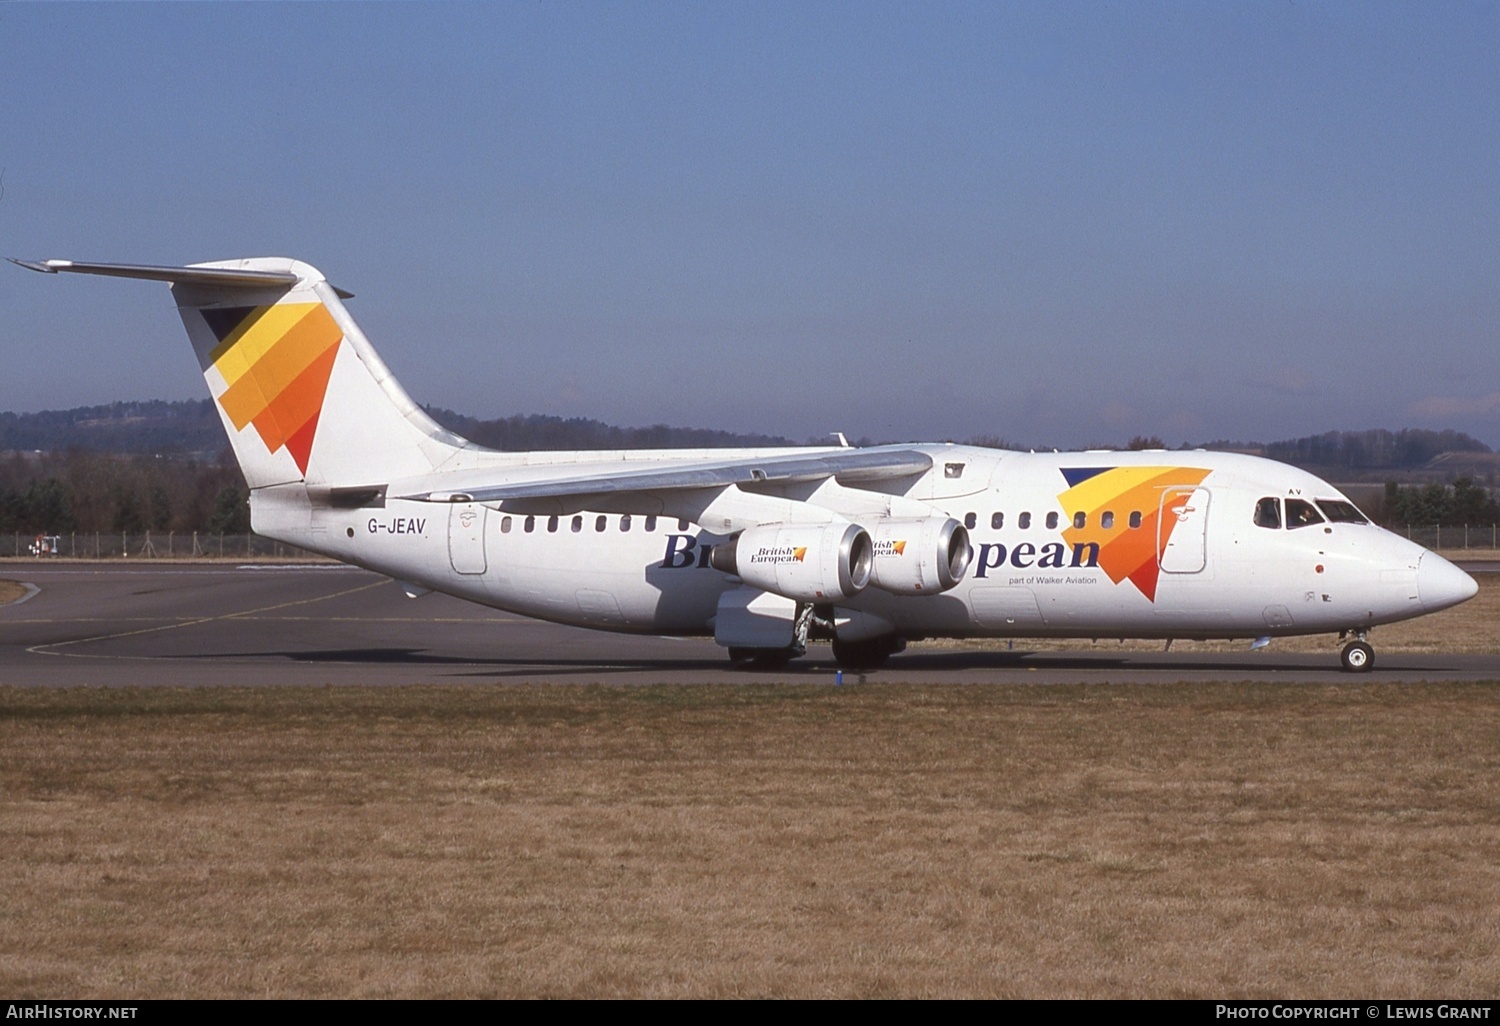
(540, 432)
(192, 429)
(1377, 449)
(189, 428)
(133, 466)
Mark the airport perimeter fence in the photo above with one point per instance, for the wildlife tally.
(169, 545)
(1466, 536)
(198, 545)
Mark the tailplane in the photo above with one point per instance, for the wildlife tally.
(303, 395)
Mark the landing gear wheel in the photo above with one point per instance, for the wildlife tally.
(1358, 657)
(760, 658)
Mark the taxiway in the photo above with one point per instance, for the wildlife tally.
(205, 625)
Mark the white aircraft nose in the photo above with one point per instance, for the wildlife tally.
(1440, 584)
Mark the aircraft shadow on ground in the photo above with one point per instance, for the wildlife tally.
(814, 665)
(489, 666)
(1145, 662)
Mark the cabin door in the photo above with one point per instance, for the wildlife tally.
(466, 523)
(1182, 530)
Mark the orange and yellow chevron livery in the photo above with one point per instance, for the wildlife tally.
(1125, 551)
(275, 362)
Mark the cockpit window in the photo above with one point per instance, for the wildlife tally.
(1340, 512)
(1268, 513)
(1301, 514)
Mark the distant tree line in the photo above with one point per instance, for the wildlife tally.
(1376, 449)
(79, 491)
(193, 429)
(164, 466)
(1462, 502)
(538, 432)
(160, 466)
(156, 427)
(1379, 448)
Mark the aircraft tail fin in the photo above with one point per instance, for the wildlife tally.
(302, 393)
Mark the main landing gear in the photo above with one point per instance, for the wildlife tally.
(1357, 656)
(864, 654)
(850, 655)
(765, 659)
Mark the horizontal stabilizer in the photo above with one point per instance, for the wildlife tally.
(196, 275)
(219, 277)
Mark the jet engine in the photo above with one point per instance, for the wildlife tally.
(810, 563)
(920, 556)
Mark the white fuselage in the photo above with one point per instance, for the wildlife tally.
(1099, 544)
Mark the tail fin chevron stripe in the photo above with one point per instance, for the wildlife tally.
(268, 333)
(276, 362)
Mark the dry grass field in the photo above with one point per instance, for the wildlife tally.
(866, 841)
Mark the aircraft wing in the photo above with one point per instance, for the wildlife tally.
(850, 467)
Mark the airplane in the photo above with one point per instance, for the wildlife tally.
(765, 549)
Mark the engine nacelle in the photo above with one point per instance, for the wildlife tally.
(921, 556)
(810, 563)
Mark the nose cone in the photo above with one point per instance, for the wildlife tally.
(1440, 584)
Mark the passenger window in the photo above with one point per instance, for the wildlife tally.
(1051, 521)
(505, 525)
(1268, 513)
(1107, 519)
(1340, 512)
(530, 524)
(577, 524)
(1024, 521)
(1080, 519)
(1135, 518)
(682, 524)
(970, 520)
(625, 522)
(600, 522)
(997, 521)
(552, 525)
(651, 523)
(1301, 514)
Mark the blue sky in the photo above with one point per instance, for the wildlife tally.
(1064, 224)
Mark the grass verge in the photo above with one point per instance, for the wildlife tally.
(1009, 841)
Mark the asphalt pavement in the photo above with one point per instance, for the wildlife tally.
(252, 625)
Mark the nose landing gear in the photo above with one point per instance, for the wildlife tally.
(1357, 656)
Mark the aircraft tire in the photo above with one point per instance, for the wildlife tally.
(1357, 657)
